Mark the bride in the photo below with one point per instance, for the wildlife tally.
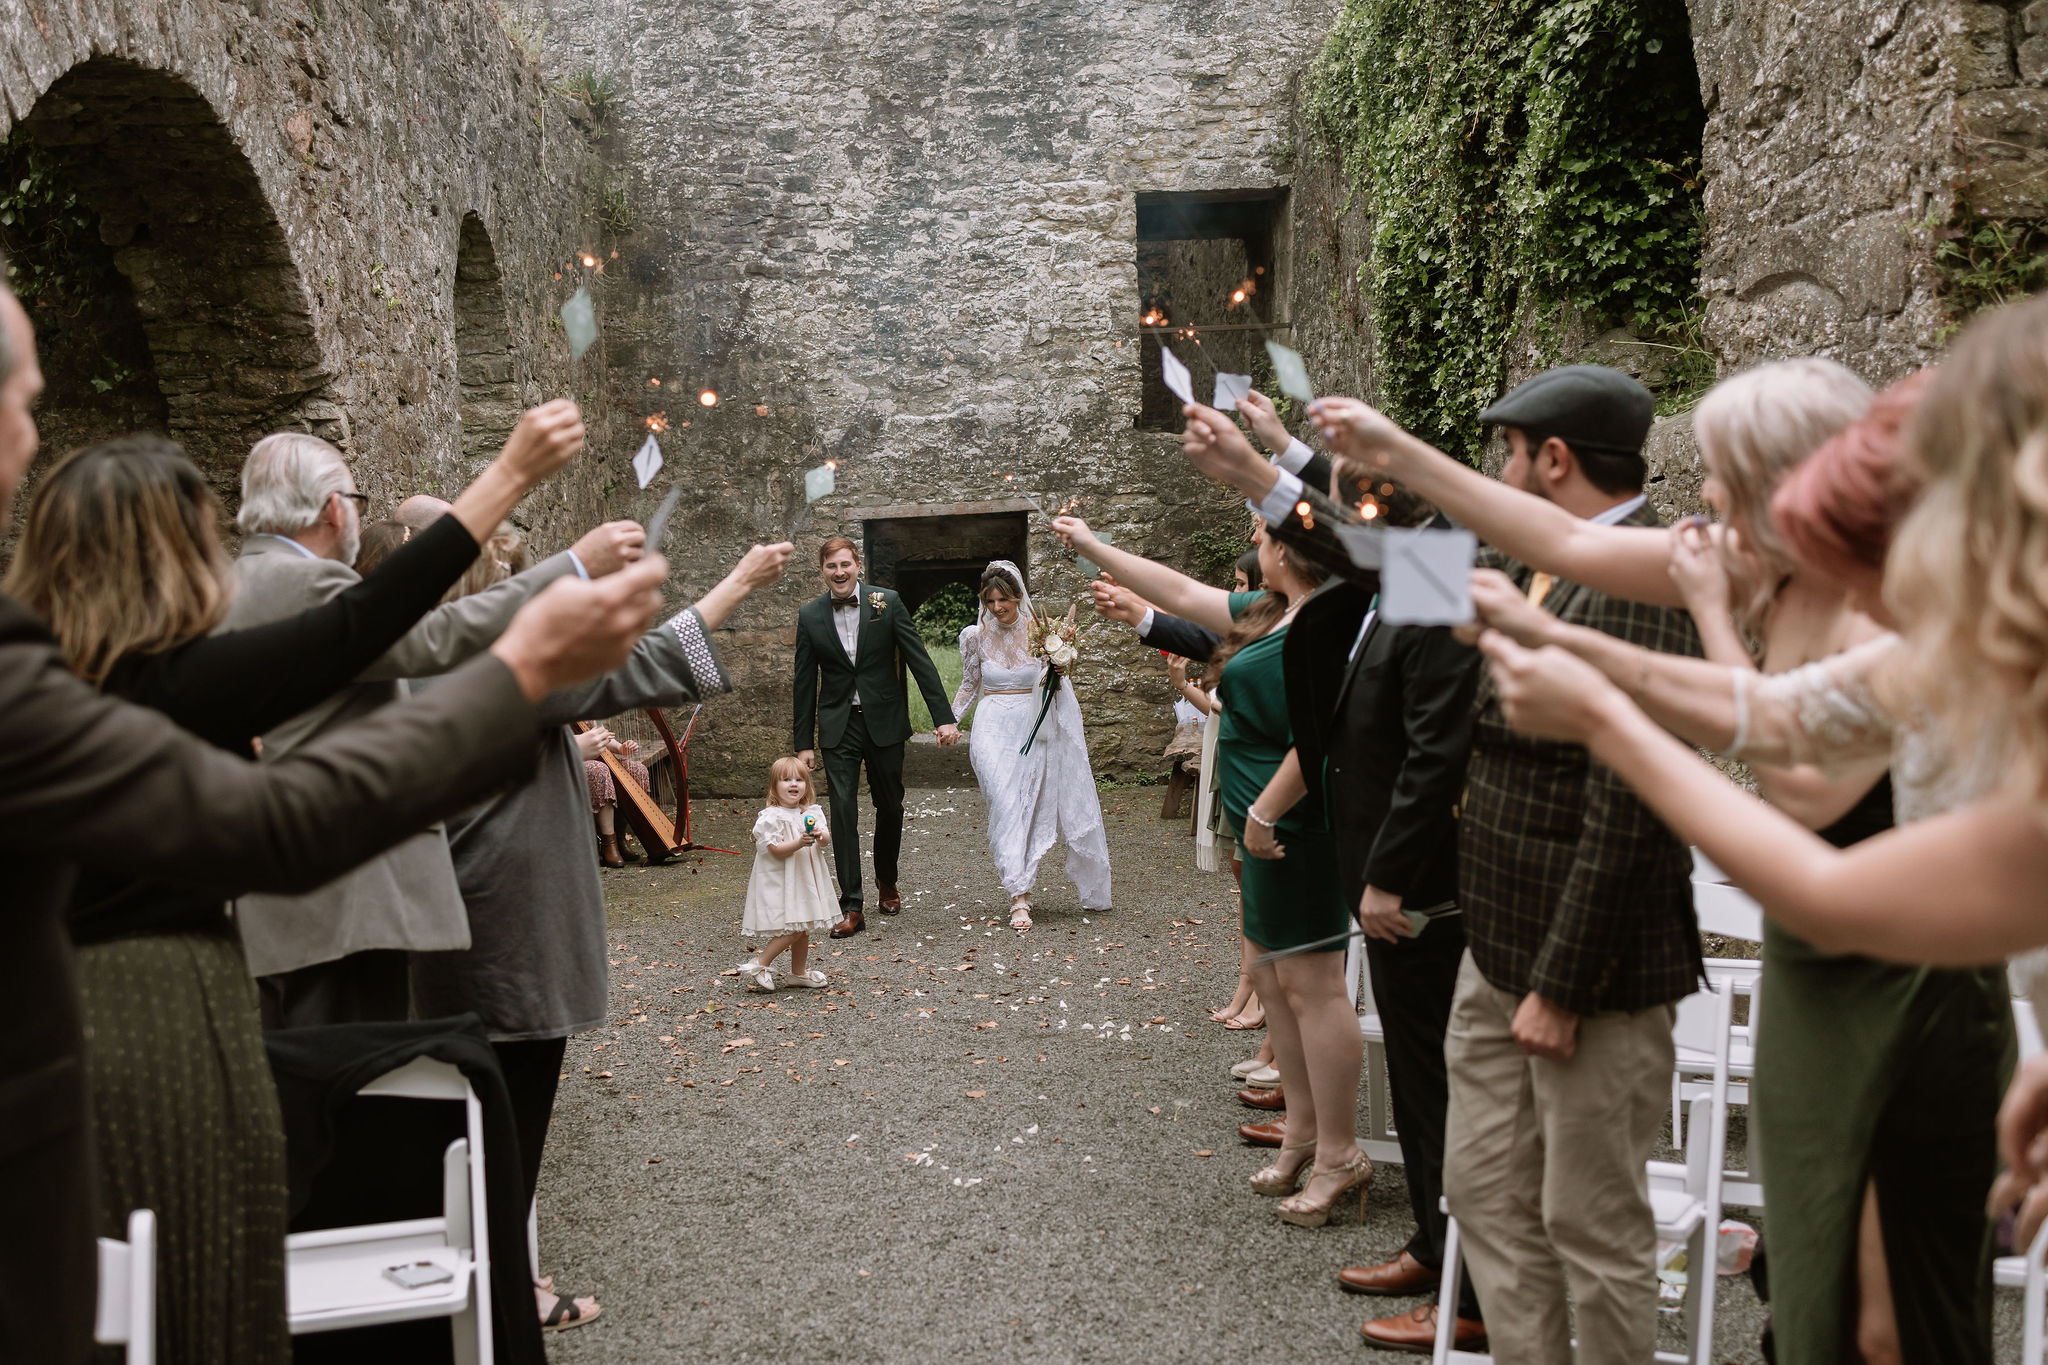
(1048, 793)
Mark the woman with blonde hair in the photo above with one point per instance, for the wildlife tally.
(120, 553)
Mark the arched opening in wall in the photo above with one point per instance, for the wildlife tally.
(486, 367)
(157, 275)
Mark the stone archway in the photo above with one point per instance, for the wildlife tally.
(203, 324)
(486, 366)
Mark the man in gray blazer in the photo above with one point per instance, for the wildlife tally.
(83, 775)
(339, 954)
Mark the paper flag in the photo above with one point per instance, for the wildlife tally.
(1427, 578)
(647, 463)
(659, 525)
(579, 319)
(1292, 374)
(1176, 375)
(819, 482)
(1365, 544)
(1089, 568)
(1230, 388)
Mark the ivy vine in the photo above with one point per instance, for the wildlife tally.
(51, 235)
(1521, 159)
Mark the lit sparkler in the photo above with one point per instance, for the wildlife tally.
(709, 398)
(657, 422)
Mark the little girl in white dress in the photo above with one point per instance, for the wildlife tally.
(791, 891)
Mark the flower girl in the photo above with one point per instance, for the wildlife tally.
(791, 891)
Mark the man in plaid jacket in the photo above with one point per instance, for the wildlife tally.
(1579, 920)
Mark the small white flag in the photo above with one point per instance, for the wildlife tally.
(647, 463)
(579, 320)
(819, 482)
(1291, 372)
(1426, 579)
(1230, 388)
(1176, 375)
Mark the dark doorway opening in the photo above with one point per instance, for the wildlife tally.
(918, 555)
(1212, 285)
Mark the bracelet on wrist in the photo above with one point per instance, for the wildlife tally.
(1258, 819)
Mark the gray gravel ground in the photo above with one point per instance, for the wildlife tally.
(1023, 1160)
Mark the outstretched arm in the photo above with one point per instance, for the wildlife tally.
(919, 661)
(1166, 588)
(1960, 889)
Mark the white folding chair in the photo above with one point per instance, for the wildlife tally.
(1728, 912)
(1379, 1140)
(1685, 1199)
(335, 1277)
(2028, 1273)
(127, 1299)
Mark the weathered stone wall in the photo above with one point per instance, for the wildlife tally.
(284, 184)
(902, 237)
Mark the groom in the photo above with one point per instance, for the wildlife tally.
(854, 635)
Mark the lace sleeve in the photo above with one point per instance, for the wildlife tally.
(970, 670)
(1826, 713)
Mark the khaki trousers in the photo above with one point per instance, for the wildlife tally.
(1543, 1167)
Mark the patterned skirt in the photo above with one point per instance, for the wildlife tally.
(603, 791)
(186, 1122)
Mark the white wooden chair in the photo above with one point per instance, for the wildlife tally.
(2028, 1273)
(1685, 1199)
(1728, 912)
(127, 1299)
(1379, 1140)
(335, 1277)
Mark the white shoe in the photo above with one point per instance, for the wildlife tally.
(1265, 1078)
(1243, 1070)
(812, 980)
(761, 981)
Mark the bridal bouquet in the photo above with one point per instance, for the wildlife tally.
(1057, 641)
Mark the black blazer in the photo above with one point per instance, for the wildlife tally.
(1178, 635)
(826, 680)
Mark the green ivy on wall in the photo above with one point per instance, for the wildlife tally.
(1518, 157)
(51, 236)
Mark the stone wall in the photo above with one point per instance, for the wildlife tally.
(284, 185)
(903, 237)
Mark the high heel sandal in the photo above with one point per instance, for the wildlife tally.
(1020, 914)
(1304, 1212)
(1275, 1181)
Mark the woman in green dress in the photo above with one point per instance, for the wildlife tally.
(1291, 894)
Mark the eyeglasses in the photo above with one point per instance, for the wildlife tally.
(361, 500)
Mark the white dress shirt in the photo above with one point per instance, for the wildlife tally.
(846, 621)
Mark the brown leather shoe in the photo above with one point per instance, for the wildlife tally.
(1263, 1099)
(891, 903)
(1263, 1134)
(1415, 1331)
(1398, 1278)
(849, 926)
(608, 854)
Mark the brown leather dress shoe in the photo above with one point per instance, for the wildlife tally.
(1263, 1099)
(1263, 1134)
(849, 926)
(1398, 1278)
(1415, 1331)
(891, 902)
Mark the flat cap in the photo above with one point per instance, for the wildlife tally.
(1589, 406)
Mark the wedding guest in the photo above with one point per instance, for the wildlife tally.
(790, 892)
(1292, 897)
(186, 1121)
(339, 954)
(591, 746)
(380, 540)
(81, 772)
(1115, 602)
(534, 968)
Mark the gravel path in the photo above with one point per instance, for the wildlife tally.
(974, 1145)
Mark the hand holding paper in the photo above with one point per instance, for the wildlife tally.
(1230, 388)
(1426, 577)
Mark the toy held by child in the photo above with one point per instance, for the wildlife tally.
(791, 890)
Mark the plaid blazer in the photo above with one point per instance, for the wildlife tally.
(1572, 888)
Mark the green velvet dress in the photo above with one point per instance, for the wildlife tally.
(1297, 899)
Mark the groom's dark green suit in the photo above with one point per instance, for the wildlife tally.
(871, 732)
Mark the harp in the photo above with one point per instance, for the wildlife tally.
(662, 836)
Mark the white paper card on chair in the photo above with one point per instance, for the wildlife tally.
(1176, 375)
(1230, 388)
(1426, 577)
(819, 482)
(1290, 371)
(579, 320)
(647, 463)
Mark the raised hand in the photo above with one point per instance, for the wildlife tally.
(573, 631)
(1499, 604)
(608, 548)
(1266, 424)
(1698, 568)
(1073, 532)
(1215, 446)
(1177, 670)
(758, 567)
(1113, 601)
(544, 440)
(1546, 692)
(1358, 431)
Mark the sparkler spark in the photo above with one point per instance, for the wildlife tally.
(588, 260)
(655, 380)
(657, 422)
(709, 398)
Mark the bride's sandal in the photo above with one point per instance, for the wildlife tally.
(1020, 914)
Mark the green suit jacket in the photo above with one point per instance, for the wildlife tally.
(826, 680)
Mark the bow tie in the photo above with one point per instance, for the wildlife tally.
(850, 600)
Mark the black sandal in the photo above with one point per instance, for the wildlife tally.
(565, 1314)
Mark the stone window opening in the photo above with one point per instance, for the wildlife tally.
(1212, 286)
(919, 549)
(486, 364)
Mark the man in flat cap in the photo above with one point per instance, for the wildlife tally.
(1578, 912)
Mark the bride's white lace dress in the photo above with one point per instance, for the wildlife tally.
(1037, 798)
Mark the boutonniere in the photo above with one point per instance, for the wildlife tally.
(878, 602)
